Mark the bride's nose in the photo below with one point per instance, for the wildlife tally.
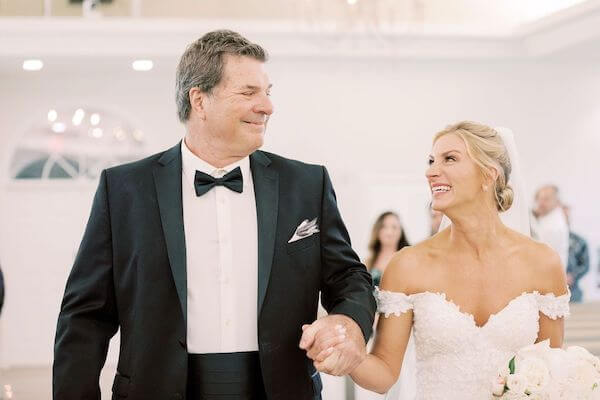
(432, 171)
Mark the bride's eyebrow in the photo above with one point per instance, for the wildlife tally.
(431, 156)
(450, 151)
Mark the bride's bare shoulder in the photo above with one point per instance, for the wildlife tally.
(544, 263)
(408, 269)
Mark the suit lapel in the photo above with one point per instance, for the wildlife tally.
(167, 178)
(266, 192)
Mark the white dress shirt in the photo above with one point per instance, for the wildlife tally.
(553, 230)
(221, 241)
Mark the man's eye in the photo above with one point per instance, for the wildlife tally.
(450, 158)
(430, 161)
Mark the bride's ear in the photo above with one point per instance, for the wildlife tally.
(489, 178)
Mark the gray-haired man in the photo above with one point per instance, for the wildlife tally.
(210, 256)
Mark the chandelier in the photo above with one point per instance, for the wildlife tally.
(364, 17)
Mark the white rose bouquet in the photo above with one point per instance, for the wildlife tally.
(539, 372)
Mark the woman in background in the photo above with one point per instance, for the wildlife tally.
(387, 237)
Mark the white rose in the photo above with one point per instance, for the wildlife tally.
(535, 372)
(558, 364)
(595, 393)
(584, 376)
(583, 354)
(537, 349)
(516, 383)
(498, 386)
(504, 370)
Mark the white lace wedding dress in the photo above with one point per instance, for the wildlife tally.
(456, 359)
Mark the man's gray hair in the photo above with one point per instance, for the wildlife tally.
(201, 65)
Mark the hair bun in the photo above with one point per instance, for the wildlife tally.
(504, 197)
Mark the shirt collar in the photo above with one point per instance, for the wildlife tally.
(191, 163)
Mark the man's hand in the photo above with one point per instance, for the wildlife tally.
(335, 343)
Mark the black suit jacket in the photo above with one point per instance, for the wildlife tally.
(130, 273)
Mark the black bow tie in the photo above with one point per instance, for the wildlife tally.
(232, 180)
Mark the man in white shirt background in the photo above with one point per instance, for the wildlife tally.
(549, 224)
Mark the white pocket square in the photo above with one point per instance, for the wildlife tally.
(305, 229)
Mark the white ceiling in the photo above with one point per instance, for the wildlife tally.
(476, 15)
(66, 43)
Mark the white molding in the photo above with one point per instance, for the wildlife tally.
(68, 36)
(573, 26)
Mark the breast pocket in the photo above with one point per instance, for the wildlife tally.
(301, 244)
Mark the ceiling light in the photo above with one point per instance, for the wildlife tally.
(138, 135)
(59, 127)
(142, 65)
(95, 119)
(78, 117)
(33, 65)
(97, 133)
(52, 115)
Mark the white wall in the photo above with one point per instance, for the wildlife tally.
(369, 121)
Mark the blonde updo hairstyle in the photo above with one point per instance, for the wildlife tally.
(487, 150)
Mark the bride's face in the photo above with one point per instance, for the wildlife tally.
(454, 178)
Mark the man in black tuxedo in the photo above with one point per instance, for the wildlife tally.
(210, 256)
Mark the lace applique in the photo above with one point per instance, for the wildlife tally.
(554, 306)
(455, 358)
(392, 302)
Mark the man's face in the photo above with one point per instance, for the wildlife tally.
(238, 108)
(546, 200)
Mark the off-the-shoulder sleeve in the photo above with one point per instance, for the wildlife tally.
(554, 306)
(392, 302)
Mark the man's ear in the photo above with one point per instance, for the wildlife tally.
(197, 101)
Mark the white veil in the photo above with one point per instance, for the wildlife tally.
(517, 216)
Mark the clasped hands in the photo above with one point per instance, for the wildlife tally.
(335, 343)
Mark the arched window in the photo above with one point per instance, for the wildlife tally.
(75, 143)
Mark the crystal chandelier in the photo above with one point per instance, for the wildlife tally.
(371, 17)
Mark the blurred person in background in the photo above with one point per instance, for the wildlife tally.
(549, 224)
(579, 260)
(387, 237)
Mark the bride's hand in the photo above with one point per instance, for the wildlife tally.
(334, 333)
(330, 362)
(333, 362)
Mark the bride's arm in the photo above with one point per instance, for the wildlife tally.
(553, 300)
(381, 368)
